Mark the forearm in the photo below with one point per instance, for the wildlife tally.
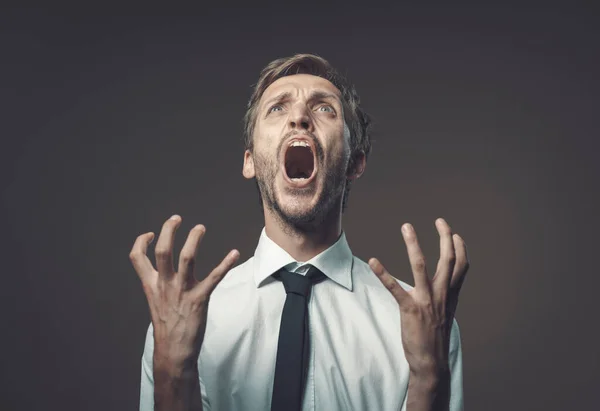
(429, 392)
(176, 388)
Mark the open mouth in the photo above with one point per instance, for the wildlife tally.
(299, 161)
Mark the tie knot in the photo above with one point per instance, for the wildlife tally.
(297, 283)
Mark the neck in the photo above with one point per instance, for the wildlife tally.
(303, 243)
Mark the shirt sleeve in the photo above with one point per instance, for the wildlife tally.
(147, 380)
(455, 363)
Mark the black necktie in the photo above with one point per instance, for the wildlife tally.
(292, 348)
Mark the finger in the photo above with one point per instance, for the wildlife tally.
(445, 267)
(462, 263)
(139, 258)
(388, 281)
(164, 246)
(187, 257)
(205, 288)
(416, 258)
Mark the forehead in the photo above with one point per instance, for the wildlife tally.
(300, 83)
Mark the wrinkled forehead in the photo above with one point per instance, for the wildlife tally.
(300, 85)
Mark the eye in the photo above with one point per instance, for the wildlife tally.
(327, 108)
(275, 107)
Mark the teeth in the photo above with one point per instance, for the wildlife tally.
(299, 144)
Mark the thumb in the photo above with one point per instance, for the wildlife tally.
(389, 282)
(204, 288)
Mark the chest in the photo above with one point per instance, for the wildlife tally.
(356, 357)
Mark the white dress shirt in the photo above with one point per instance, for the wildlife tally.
(356, 359)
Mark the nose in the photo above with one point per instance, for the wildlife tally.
(300, 118)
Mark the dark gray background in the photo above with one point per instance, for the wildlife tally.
(113, 120)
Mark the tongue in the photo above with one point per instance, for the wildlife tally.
(298, 173)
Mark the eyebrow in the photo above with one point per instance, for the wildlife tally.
(279, 97)
(315, 95)
(322, 95)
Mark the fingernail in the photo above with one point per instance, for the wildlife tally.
(406, 228)
(174, 217)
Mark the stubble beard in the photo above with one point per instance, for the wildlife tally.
(308, 219)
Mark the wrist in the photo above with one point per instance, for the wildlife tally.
(176, 385)
(429, 379)
(429, 391)
(428, 366)
(175, 366)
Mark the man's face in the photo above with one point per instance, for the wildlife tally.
(301, 149)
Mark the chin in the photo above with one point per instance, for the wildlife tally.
(297, 205)
(297, 209)
(301, 210)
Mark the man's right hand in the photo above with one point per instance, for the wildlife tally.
(178, 302)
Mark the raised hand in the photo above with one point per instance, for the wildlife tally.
(178, 302)
(427, 311)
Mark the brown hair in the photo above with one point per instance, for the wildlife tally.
(356, 119)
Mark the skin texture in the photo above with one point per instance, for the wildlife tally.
(304, 222)
(426, 314)
(178, 308)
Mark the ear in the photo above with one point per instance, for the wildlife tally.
(357, 166)
(248, 168)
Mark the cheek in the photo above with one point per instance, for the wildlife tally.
(269, 130)
(335, 159)
(265, 164)
(339, 147)
(265, 141)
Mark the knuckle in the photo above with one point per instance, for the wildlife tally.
(162, 252)
(391, 285)
(188, 258)
(451, 258)
(420, 263)
(411, 308)
(426, 305)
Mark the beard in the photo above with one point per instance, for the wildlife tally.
(307, 219)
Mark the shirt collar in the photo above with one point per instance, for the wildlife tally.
(335, 262)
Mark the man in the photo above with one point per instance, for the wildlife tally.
(354, 337)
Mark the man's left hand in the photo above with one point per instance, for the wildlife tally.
(427, 311)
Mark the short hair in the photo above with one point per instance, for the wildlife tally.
(357, 120)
